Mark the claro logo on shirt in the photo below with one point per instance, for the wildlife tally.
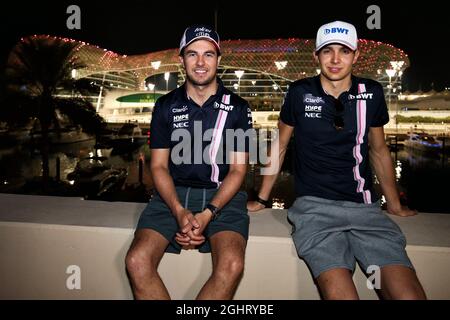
(312, 100)
(178, 110)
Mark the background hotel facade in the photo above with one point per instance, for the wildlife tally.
(125, 87)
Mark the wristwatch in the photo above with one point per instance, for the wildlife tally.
(214, 210)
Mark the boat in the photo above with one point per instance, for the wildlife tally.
(66, 135)
(444, 143)
(14, 136)
(127, 139)
(422, 142)
(94, 177)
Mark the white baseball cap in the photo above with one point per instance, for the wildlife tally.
(337, 32)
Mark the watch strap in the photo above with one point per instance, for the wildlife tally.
(265, 203)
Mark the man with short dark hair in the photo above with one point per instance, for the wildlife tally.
(197, 202)
(337, 120)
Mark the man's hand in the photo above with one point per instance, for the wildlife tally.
(188, 223)
(254, 206)
(203, 218)
(189, 240)
(402, 211)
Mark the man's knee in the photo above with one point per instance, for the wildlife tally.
(230, 266)
(140, 261)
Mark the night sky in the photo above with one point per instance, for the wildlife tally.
(136, 27)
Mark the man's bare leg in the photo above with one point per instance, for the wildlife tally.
(400, 283)
(228, 255)
(142, 262)
(337, 284)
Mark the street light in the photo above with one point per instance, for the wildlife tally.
(166, 77)
(391, 73)
(74, 76)
(100, 93)
(239, 74)
(151, 87)
(99, 99)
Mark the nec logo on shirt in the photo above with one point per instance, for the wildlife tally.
(181, 125)
(336, 30)
(361, 96)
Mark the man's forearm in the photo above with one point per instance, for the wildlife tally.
(166, 188)
(229, 187)
(384, 170)
(268, 181)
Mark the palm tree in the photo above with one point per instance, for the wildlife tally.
(38, 68)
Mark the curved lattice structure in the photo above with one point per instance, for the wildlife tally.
(268, 66)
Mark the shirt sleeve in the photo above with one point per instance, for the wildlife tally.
(287, 114)
(159, 128)
(244, 122)
(381, 115)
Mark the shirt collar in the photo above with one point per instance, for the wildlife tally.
(220, 91)
(353, 88)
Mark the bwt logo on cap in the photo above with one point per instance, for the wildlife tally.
(337, 32)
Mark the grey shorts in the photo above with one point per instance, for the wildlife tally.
(233, 216)
(332, 234)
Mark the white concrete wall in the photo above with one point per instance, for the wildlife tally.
(41, 236)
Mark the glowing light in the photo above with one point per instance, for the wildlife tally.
(281, 64)
(239, 73)
(155, 64)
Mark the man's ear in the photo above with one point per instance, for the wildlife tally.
(316, 56)
(181, 60)
(218, 60)
(355, 58)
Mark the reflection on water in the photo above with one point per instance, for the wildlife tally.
(84, 171)
(422, 180)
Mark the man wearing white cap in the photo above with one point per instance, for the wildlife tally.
(198, 203)
(336, 218)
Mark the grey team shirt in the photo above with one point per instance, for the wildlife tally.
(222, 111)
(330, 163)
